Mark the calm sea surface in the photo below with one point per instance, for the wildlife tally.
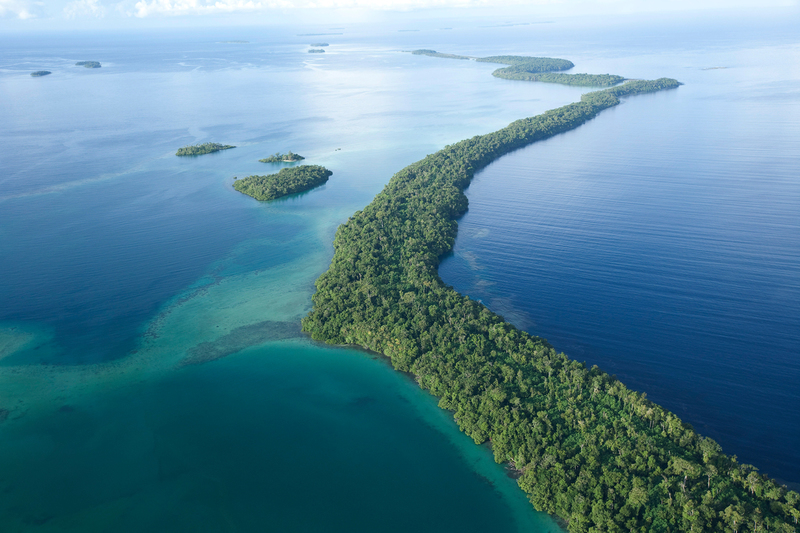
(661, 241)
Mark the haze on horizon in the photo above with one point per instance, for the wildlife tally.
(60, 15)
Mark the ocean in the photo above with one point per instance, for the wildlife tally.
(660, 241)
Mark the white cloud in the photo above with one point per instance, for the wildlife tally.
(20, 8)
(144, 8)
(84, 7)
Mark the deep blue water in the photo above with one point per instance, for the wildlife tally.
(120, 260)
(661, 242)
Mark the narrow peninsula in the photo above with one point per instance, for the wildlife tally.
(584, 446)
(40, 73)
(205, 148)
(88, 64)
(278, 157)
(287, 181)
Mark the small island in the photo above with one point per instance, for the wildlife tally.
(40, 73)
(205, 148)
(88, 64)
(289, 157)
(316, 51)
(287, 181)
(434, 53)
(319, 44)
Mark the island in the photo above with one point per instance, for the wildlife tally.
(205, 148)
(316, 51)
(289, 157)
(88, 64)
(542, 69)
(582, 445)
(40, 73)
(580, 80)
(319, 44)
(434, 53)
(287, 181)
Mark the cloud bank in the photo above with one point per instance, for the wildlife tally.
(84, 7)
(22, 9)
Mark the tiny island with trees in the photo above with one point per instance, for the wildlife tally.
(287, 181)
(319, 44)
(88, 64)
(289, 157)
(40, 73)
(205, 148)
(316, 51)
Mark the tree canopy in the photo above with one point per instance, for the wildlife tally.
(287, 181)
(584, 446)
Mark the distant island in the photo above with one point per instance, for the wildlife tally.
(316, 51)
(233, 42)
(289, 157)
(40, 73)
(88, 64)
(205, 148)
(316, 34)
(581, 80)
(287, 181)
(319, 44)
(434, 53)
(542, 69)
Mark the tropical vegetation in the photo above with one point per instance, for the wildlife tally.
(205, 148)
(278, 157)
(288, 181)
(583, 446)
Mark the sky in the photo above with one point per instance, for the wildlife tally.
(24, 15)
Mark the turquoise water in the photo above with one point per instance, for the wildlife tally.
(122, 265)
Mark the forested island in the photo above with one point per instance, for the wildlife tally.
(543, 69)
(584, 446)
(529, 64)
(88, 64)
(287, 181)
(289, 157)
(434, 53)
(316, 51)
(319, 44)
(40, 73)
(205, 148)
(580, 80)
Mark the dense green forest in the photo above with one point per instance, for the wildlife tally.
(278, 157)
(287, 181)
(536, 69)
(581, 80)
(434, 53)
(584, 446)
(40, 73)
(205, 148)
(88, 64)
(530, 64)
